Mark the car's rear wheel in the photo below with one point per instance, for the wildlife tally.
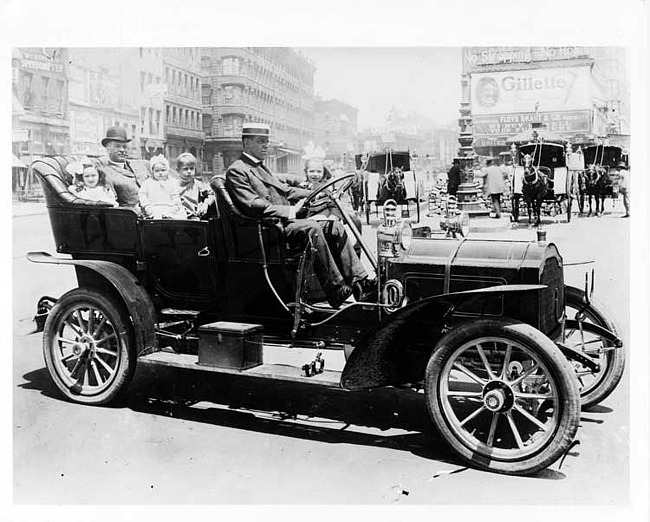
(594, 386)
(503, 396)
(87, 346)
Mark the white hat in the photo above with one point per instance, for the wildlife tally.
(255, 129)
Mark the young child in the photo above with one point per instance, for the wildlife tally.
(90, 183)
(159, 196)
(196, 197)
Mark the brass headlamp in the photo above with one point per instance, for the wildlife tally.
(393, 234)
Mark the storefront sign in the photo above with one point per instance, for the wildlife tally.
(482, 56)
(41, 65)
(530, 89)
(502, 125)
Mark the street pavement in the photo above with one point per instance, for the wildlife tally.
(186, 437)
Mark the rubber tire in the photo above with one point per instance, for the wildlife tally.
(121, 323)
(597, 314)
(554, 360)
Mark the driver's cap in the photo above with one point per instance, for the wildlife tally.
(255, 129)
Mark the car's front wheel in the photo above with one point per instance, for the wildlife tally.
(87, 346)
(503, 396)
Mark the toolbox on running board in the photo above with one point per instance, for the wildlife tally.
(236, 346)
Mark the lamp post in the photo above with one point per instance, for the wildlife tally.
(467, 193)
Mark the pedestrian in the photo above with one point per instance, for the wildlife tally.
(158, 196)
(495, 185)
(258, 193)
(624, 186)
(453, 178)
(119, 174)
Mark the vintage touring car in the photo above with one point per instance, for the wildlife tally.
(479, 327)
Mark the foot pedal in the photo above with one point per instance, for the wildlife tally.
(314, 367)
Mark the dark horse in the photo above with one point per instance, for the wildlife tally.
(595, 183)
(392, 186)
(534, 187)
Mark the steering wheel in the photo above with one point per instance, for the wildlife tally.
(347, 180)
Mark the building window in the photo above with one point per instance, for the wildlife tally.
(230, 66)
(166, 114)
(158, 123)
(28, 92)
(142, 80)
(174, 116)
(60, 85)
(143, 116)
(46, 87)
(149, 79)
(150, 120)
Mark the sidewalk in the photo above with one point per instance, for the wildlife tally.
(28, 208)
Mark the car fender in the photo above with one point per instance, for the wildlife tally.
(99, 274)
(397, 350)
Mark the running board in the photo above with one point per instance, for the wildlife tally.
(282, 372)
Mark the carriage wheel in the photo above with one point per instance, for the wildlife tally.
(594, 386)
(88, 348)
(503, 396)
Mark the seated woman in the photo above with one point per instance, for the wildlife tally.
(159, 195)
(196, 197)
(90, 183)
(321, 209)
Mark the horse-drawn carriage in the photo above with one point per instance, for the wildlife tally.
(600, 178)
(540, 177)
(387, 175)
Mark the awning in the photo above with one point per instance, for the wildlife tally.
(527, 136)
(289, 151)
(16, 163)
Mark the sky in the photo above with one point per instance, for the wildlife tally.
(425, 80)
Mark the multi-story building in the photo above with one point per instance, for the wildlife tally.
(152, 91)
(578, 93)
(335, 128)
(103, 91)
(257, 84)
(40, 98)
(182, 102)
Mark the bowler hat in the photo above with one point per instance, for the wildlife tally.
(115, 134)
(622, 164)
(255, 129)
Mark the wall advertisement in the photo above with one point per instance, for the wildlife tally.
(475, 57)
(530, 90)
(504, 125)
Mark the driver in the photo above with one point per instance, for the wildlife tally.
(259, 194)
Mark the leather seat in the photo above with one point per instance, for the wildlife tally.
(242, 232)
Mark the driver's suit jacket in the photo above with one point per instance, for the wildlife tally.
(257, 193)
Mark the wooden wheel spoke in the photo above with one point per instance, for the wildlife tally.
(105, 338)
(99, 328)
(493, 428)
(515, 431)
(472, 415)
(531, 418)
(75, 328)
(461, 393)
(80, 321)
(506, 362)
(69, 357)
(470, 374)
(533, 396)
(106, 351)
(486, 363)
(62, 339)
(527, 373)
(98, 377)
(105, 365)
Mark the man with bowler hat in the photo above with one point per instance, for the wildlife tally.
(117, 169)
(258, 193)
(453, 178)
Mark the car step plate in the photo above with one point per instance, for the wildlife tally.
(283, 372)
